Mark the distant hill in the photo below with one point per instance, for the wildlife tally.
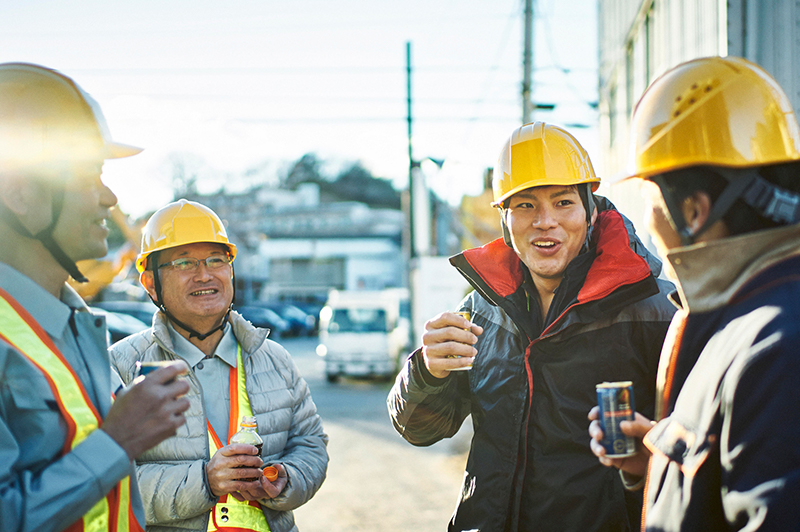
(355, 183)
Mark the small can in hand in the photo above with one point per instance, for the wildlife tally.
(615, 400)
(467, 316)
(143, 368)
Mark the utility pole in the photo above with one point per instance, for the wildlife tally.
(527, 55)
(411, 187)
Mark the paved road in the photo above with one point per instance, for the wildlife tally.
(377, 482)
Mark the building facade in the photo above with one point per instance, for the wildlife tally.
(641, 39)
(292, 246)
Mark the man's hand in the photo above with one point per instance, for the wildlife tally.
(267, 489)
(448, 343)
(230, 465)
(150, 410)
(636, 464)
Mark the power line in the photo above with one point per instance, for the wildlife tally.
(343, 119)
(557, 64)
(491, 76)
(260, 71)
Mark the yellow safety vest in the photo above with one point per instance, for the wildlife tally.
(230, 515)
(113, 513)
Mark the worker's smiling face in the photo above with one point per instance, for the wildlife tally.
(548, 228)
(197, 296)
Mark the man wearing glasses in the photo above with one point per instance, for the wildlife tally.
(197, 480)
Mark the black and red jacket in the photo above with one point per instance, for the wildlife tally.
(533, 384)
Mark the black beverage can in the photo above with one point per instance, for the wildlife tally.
(615, 400)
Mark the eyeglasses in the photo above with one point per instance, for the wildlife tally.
(186, 264)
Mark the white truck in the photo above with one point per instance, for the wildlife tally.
(364, 333)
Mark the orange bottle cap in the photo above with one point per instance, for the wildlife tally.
(271, 473)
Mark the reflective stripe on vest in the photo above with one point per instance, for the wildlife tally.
(230, 515)
(113, 513)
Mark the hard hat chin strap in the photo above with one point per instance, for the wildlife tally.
(192, 332)
(773, 202)
(585, 192)
(506, 232)
(45, 236)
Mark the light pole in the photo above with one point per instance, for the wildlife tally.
(411, 187)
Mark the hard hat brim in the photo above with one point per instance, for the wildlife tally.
(118, 150)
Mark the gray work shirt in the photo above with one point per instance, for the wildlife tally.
(39, 489)
(214, 375)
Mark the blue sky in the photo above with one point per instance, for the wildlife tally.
(239, 89)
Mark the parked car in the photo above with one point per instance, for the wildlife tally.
(312, 309)
(264, 317)
(119, 325)
(300, 322)
(141, 310)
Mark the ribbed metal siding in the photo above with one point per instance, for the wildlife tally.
(764, 31)
(639, 40)
(768, 33)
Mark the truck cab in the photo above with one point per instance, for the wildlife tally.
(363, 334)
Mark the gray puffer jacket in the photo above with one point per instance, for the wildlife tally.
(172, 475)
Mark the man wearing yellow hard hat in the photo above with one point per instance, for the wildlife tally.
(568, 299)
(66, 446)
(717, 147)
(199, 480)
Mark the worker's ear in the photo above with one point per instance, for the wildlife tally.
(146, 278)
(696, 209)
(28, 199)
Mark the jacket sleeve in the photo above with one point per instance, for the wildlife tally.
(425, 411)
(171, 490)
(759, 453)
(174, 491)
(305, 455)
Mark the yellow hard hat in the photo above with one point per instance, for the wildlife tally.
(47, 119)
(539, 154)
(178, 223)
(722, 111)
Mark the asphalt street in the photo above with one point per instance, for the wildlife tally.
(376, 481)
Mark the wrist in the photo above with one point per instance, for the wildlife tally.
(632, 482)
(418, 362)
(207, 483)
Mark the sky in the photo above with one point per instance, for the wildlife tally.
(234, 92)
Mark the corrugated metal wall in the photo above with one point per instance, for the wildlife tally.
(640, 39)
(768, 33)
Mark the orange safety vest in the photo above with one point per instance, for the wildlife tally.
(230, 515)
(113, 513)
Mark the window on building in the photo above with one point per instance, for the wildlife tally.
(302, 272)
